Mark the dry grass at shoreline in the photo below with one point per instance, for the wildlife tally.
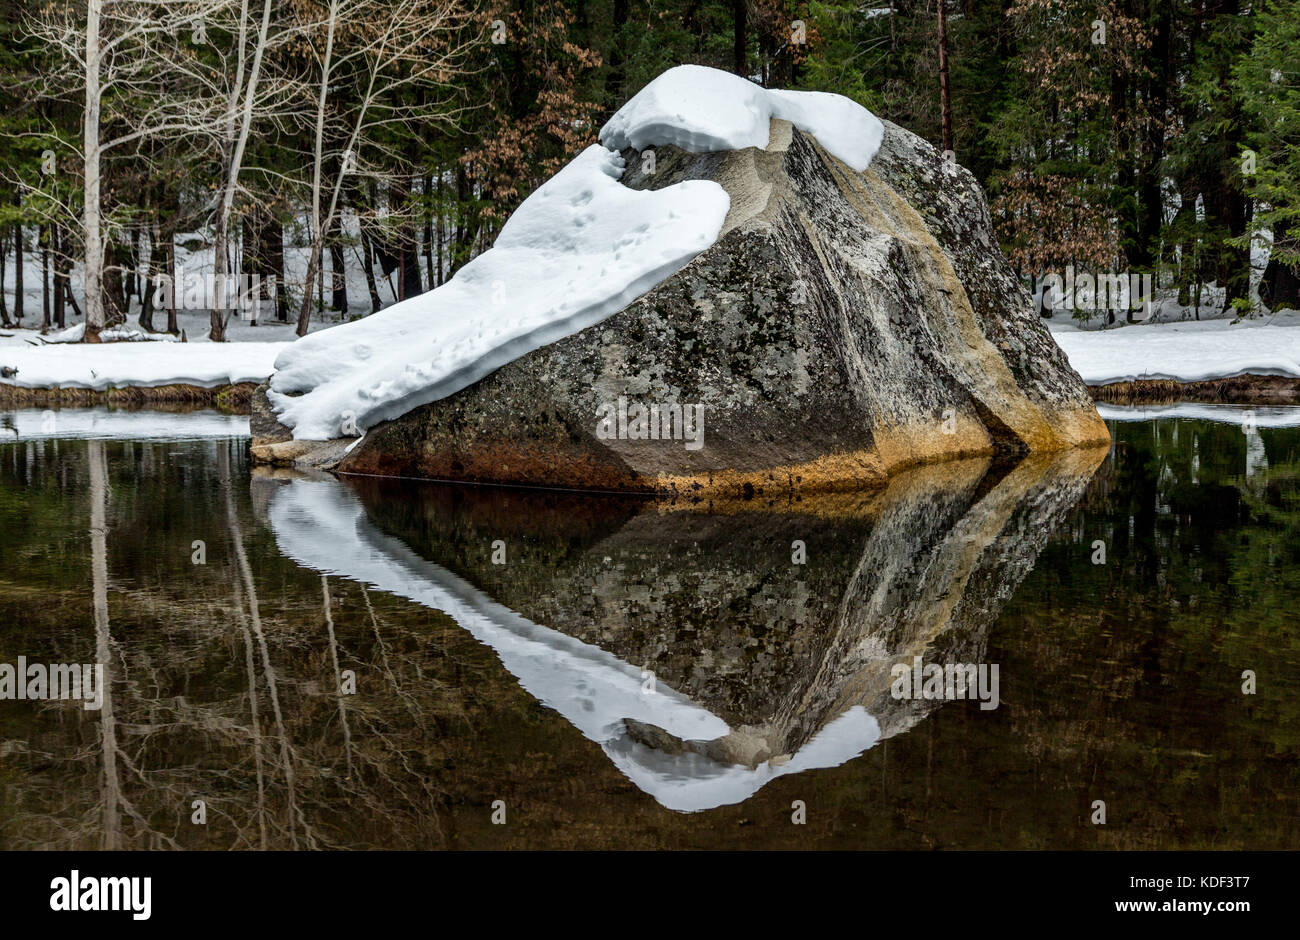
(231, 399)
(236, 399)
(1237, 390)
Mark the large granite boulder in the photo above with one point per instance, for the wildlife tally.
(844, 326)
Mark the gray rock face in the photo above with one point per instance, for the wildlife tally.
(843, 327)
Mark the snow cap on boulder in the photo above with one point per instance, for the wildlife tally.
(580, 248)
(704, 110)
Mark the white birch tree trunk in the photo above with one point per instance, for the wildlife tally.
(318, 158)
(93, 236)
(221, 234)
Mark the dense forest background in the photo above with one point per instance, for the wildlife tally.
(1142, 136)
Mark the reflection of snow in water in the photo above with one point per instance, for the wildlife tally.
(32, 424)
(1256, 457)
(1281, 416)
(1249, 417)
(689, 782)
(321, 525)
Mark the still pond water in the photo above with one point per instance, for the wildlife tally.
(364, 663)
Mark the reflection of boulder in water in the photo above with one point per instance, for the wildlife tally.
(794, 658)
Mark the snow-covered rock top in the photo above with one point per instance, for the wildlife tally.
(576, 251)
(702, 110)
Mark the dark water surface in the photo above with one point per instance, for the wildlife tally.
(632, 676)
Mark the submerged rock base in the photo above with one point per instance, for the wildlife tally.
(844, 326)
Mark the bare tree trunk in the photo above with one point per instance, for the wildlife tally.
(114, 296)
(338, 676)
(150, 296)
(4, 301)
(318, 160)
(217, 331)
(130, 277)
(408, 263)
(369, 264)
(428, 231)
(308, 285)
(94, 248)
(169, 264)
(461, 241)
(60, 245)
(217, 314)
(945, 104)
(270, 242)
(339, 285)
(44, 238)
(19, 287)
(438, 217)
(250, 266)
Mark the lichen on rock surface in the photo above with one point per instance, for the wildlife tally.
(842, 327)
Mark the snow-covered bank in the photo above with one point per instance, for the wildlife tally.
(117, 334)
(1184, 352)
(145, 365)
(193, 323)
(579, 249)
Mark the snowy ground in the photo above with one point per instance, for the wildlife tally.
(194, 325)
(54, 359)
(45, 360)
(1187, 351)
(118, 365)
